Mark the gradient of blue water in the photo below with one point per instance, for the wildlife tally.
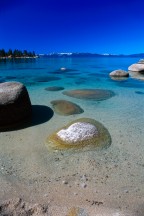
(90, 72)
(84, 73)
(122, 114)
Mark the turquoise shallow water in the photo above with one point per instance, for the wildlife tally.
(84, 72)
(122, 115)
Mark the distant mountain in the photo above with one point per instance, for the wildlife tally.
(140, 55)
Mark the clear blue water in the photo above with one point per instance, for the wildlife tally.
(85, 72)
(122, 115)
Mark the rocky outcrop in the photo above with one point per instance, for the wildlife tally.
(81, 133)
(138, 67)
(15, 105)
(119, 73)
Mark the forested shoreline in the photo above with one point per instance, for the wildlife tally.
(16, 53)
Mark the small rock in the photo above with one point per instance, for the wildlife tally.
(84, 178)
(83, 185)
(75, 193)
(63, 69)
(65, 182)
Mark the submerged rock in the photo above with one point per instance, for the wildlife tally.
(139, 92)
(54, 88)
(64, 70)
(15, 105)
(96, 94)
(63, 107)
(119, 73)
(46, 79)
(80, 133)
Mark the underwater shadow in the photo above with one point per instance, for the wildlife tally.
(40, 115)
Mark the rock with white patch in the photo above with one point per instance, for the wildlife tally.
(77, 132)
(84, 132)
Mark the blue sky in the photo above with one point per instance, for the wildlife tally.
(73, 26)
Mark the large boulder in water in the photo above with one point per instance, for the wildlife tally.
(138, 67)
(83, 132)
(15, 105)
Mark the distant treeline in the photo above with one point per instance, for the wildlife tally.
(16, 53)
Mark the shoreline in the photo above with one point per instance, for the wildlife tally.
(18, 206)
(23, 57)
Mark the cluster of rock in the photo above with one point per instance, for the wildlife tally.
(85, 132)
(15, 109)
(121, 74)
(137, 70)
